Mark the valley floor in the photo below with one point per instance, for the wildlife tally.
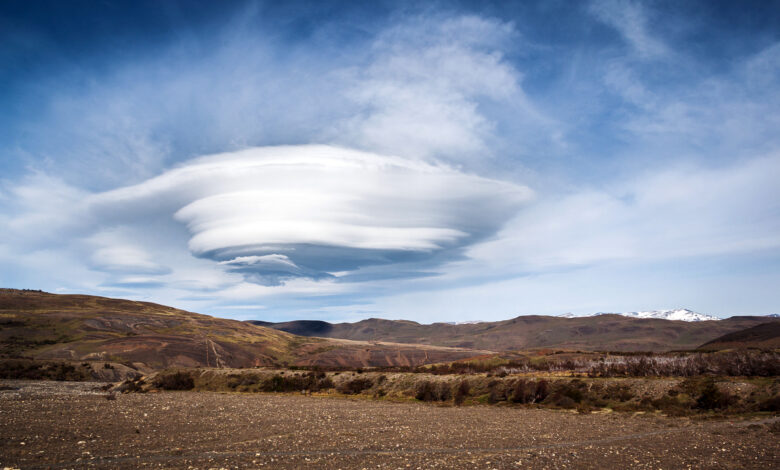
(73, 425)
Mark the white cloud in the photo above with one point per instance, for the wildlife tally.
(668, 214)
(420, 93)
(311, 210)
(630, 19)
(276, 213)
(126, 259)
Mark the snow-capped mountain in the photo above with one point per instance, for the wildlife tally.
(774, 315)
(681, 314)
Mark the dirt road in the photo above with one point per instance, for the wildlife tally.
(69, 425)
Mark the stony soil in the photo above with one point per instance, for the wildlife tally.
(73, 425)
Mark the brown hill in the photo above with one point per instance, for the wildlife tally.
(764, 336)
(601, 332)
(40, 325)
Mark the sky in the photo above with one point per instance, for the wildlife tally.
(432, 161)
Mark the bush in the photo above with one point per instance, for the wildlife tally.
(673, 404)
(619, 392)
(771, 404)
(574, 389)
(462, 391)
(311, 382)
(242, 380)
(523, 392)
(497, 391)
(562, 401)
(542, 390)
(355, 386)
(34, 370)
(176, 381)
(432, 391)
(710, 397)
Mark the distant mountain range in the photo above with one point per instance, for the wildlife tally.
(680, 314)
(144, 336)
(638, 331)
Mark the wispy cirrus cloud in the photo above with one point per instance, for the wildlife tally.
(420, 92)
(631, 19)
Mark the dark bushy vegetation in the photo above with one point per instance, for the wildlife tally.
(749, 362)
(23, 369)
(697, 394)
(355, 386)
(462, 391)
(311, 382)
(732, 363)
(428, 390)
(175, 381)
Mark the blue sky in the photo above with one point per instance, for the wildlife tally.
(449, 161)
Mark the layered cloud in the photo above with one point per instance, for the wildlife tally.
(275, 213)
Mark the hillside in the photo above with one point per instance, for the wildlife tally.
(765, 335)
(148, 336)
(601, 332)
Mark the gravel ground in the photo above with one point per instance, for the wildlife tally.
(73, 425)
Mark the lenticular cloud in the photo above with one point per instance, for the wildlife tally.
(275, 213)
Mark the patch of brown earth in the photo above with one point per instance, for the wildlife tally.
(65, 425)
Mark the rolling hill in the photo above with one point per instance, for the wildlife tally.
(765, 336)
(149, 336)
(602, 332)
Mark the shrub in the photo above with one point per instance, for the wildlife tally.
(673, 404)
(542, 390)
(355, 386)
(711, 397)
(424, 391)
(574, 389)
(176, 381)
(312, 382)
(562, 401)
(771, 404)
(242, 380)
(433, 391)
(462, 391)
(34, 370)
(523, 392)
(619, 392)
(497, 391)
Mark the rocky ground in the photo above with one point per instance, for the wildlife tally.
(74, 425)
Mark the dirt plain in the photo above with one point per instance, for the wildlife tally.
(73, 425)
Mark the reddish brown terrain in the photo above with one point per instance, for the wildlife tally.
(765, 335)
(607, 332)
(61, 425)
(149, 336)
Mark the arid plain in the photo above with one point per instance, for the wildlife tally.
(72, 425)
